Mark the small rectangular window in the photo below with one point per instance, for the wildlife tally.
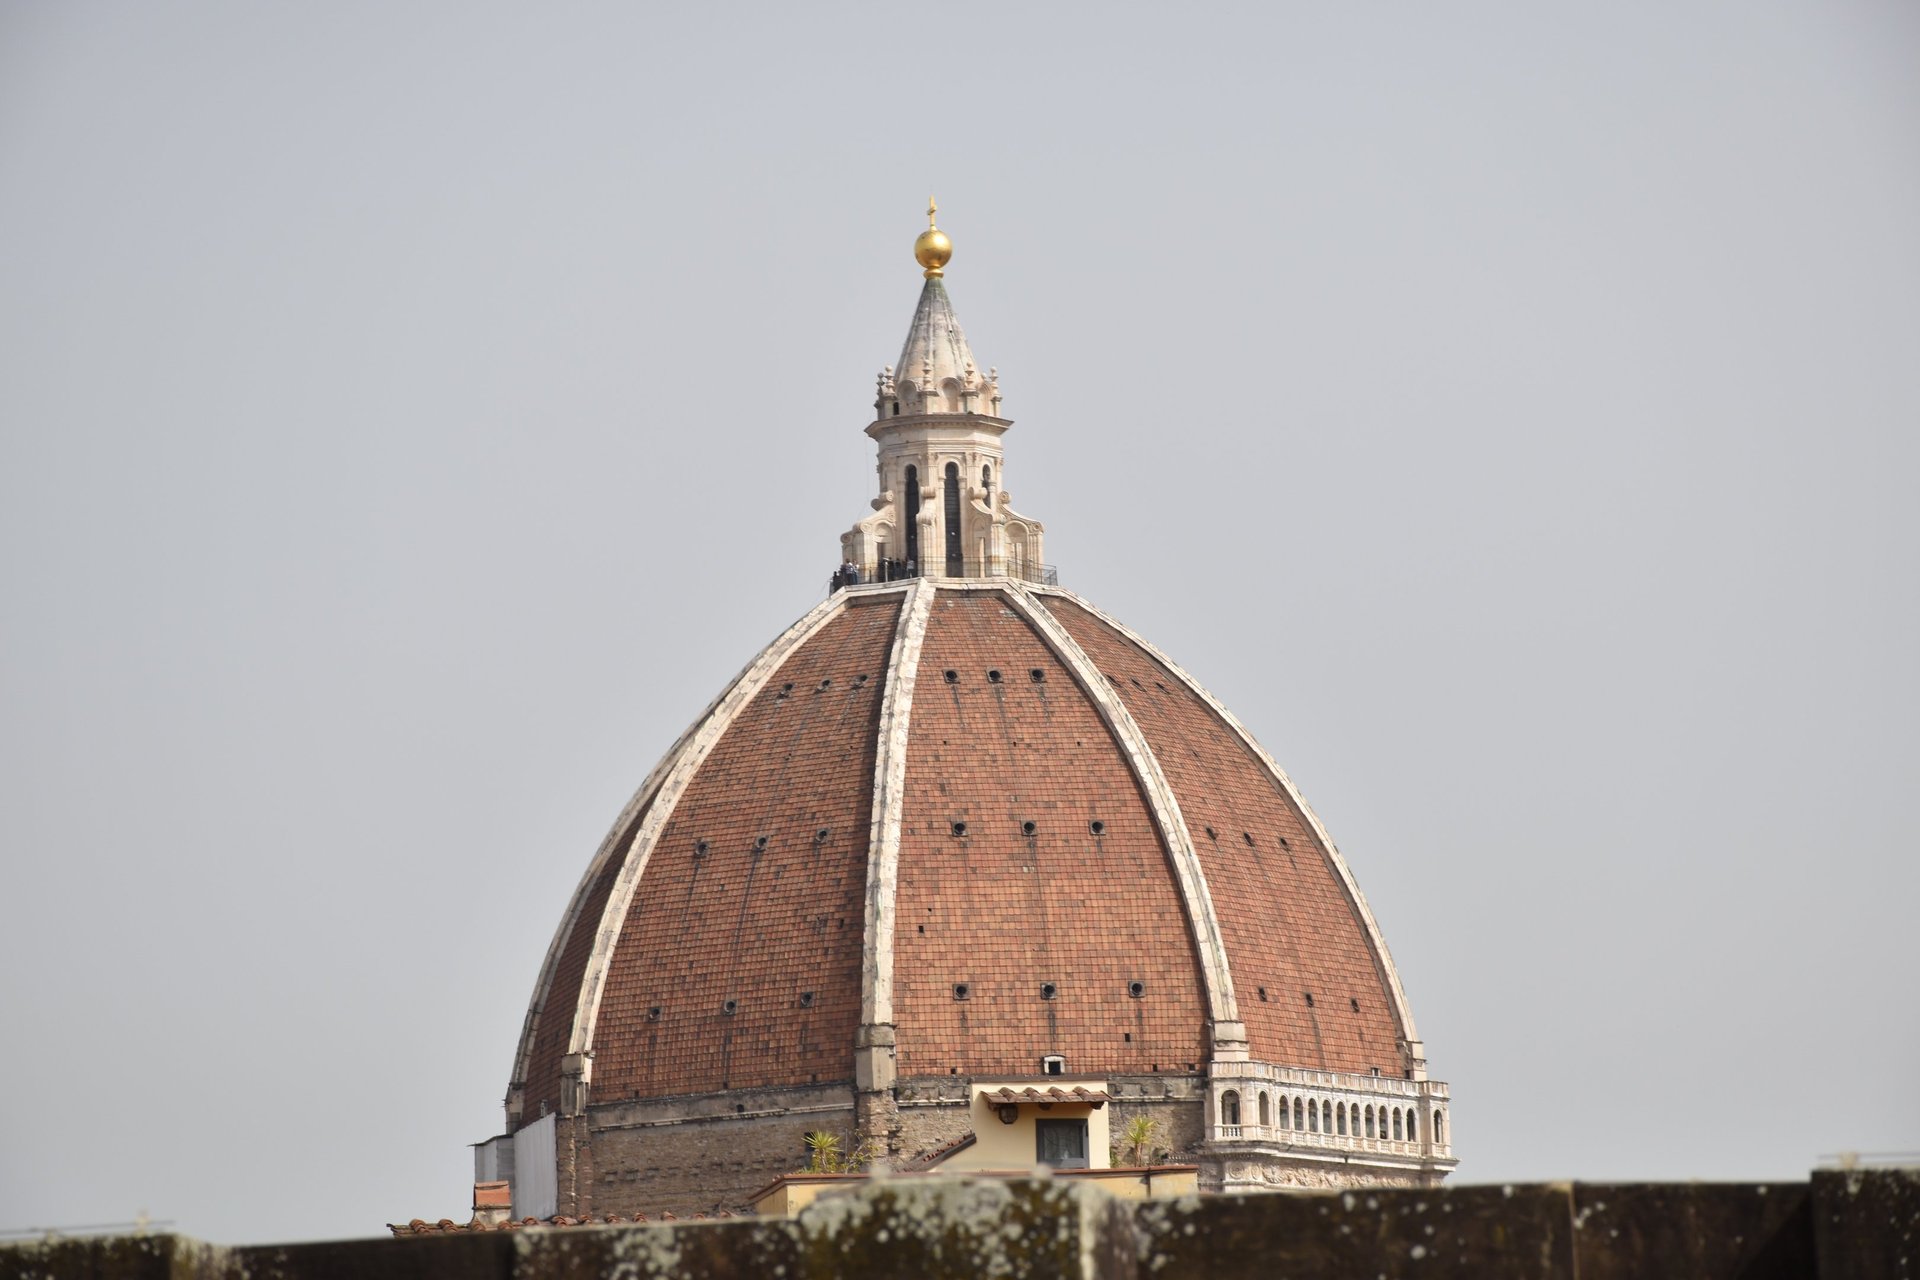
(1061, 1144)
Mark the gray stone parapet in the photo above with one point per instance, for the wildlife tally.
(1842, 1225)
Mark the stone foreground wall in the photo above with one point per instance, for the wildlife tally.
(1854, 1225)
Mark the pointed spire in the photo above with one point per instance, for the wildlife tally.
(936, 354)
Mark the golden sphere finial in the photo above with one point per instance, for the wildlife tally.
(932, 250)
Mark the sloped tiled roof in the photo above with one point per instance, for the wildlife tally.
(1037, 905)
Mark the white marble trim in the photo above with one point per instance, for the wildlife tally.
(1192, 881)
(523, 1055)
(889, 783)
(685, 764)
(1402, 1011)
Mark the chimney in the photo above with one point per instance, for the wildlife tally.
(492, 1203)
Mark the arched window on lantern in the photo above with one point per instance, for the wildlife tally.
(910, 515)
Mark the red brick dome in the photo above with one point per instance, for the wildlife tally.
(959, 826)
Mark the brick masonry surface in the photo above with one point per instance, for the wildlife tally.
(1004, 911)
(754, 892)
(1289, 929)
(701, 1166)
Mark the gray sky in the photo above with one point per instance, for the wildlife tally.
(411, 415)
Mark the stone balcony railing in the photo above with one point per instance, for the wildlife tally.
(1329, 1111)
(883, 571)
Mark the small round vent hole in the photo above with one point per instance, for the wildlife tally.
(993, 677)
(959, 828)
(730, 1008)
(1037, 675)
(950, 676)
(1136, 989)
(1048, 990)
(1098, 827)
(961, 991)
(806, 999)
(1028, 828)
